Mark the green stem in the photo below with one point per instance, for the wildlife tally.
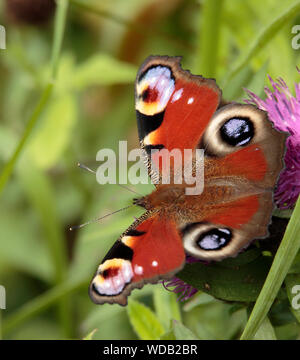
(60, 20)
(65, 310)
(41, 303)
(59, 27)
(283, 260)
(10, 165)
(209, 37)
(262, 40)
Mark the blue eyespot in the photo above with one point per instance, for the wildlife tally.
(214, 239)
(237, 131)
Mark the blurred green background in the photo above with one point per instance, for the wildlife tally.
(44, 267)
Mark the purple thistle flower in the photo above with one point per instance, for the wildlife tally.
(284, 111)
(178, 286)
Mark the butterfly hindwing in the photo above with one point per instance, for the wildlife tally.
(229, 228)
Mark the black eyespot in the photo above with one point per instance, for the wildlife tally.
(110, 272)
(149, 95)
(214, 239)
(145, 94)
(237, 131)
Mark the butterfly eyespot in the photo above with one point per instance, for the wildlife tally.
(154, 89)
(214, 239)
(237, 131)
(233, 127)
(203, 240)
(110, 272)
(149, 95)
(111, 278)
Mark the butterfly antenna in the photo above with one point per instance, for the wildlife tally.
(84, 167)
(98, 219)
(129, 189)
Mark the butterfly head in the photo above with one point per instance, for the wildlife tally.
(140, 202)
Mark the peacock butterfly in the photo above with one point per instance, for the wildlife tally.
(243, 157)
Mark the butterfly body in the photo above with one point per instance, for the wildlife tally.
(242, 160)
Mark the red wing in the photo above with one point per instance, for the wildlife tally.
(242, 163)
(147, 252)
(173, 107)
(229, 227)
(241, 141)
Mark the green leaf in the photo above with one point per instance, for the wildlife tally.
(183, 333)
(280, 312)
(166, 306)
(169, 335)
(90, 335)
(144, 321)
(265, 331)
(54, 133)
(288, 331)
(257, 82)
(246, 78)
(197, 300)
(102, 69)
(105, 314)
(231, 279)
(234, 89)
(262, 39)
